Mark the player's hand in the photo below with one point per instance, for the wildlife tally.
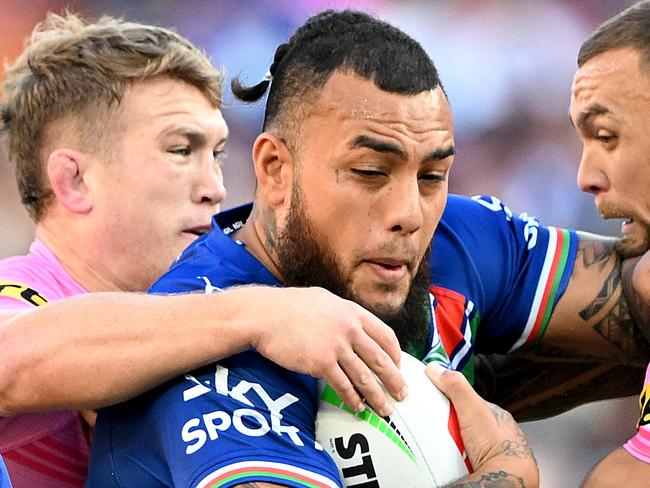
(494, 443)
(313, 331)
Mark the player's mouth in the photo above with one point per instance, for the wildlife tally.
(628, 226)
(389, 269)
(197, 231)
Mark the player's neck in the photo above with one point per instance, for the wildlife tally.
(81, 267)
(254, 237)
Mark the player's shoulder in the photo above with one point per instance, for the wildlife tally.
(216, 260)
(462, 208)
(26, 282)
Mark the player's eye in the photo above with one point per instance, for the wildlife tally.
(605, 137)
(433, 177)
(181, 150)
(368, 173)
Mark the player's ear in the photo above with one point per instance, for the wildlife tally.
(66, 171)
(273, 169)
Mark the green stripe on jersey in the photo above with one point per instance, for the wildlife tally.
(258, 473)
(559, 272)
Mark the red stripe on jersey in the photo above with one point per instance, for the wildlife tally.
(454, 430)
(52, 477)
(450, 315)
(549, 286)
(76, 466)
(260, 470)
(79, 455)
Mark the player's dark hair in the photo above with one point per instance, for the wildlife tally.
(630, 28)
(347, 41)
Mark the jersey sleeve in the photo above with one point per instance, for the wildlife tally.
(511, 269)
(639, 445)
(243, 420)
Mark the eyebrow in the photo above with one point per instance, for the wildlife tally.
(379, 146)
(439, 154)
(592, 111)
(390, 148)
(195, 137)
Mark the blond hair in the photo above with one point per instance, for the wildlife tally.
(77, 71)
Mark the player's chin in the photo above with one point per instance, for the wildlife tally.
(633, 245)
(384, 303)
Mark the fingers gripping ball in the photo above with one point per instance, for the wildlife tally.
(417, 446)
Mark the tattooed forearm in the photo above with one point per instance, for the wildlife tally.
(499, 479)
(518, 446)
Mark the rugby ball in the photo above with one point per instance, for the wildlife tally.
(417, 446)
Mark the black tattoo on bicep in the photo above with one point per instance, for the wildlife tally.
(609, 287)
(595, 252)
(616, 325)
(499, 479)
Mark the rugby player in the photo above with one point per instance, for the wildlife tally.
(610, 109)
(115, 132)
(351, 183)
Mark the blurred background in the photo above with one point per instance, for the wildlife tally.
(507, 66)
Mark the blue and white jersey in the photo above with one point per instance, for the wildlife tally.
(495, 280)
(244, 419)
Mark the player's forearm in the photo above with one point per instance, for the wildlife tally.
(497, 475)
(95, 350)
(618, 469)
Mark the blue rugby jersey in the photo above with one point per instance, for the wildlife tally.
(242, 420)
(495, 279)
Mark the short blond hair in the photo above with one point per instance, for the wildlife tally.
(76, 70)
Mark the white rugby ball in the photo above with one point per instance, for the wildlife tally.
(417, 446)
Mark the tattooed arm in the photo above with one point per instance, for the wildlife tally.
(592, 348)
(592, 320)
(495, 445)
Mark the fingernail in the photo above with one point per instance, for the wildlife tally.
(403, 393)
(360, 407)
(386, 409)
(434, 370)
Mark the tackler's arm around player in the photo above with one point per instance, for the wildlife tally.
(496, 447)
(595, 341)
(96, 350)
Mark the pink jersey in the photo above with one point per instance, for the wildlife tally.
(639, 445)
(41, 449)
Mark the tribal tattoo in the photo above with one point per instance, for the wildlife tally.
(499, 479)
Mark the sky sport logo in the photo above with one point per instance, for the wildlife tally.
(247, 421)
